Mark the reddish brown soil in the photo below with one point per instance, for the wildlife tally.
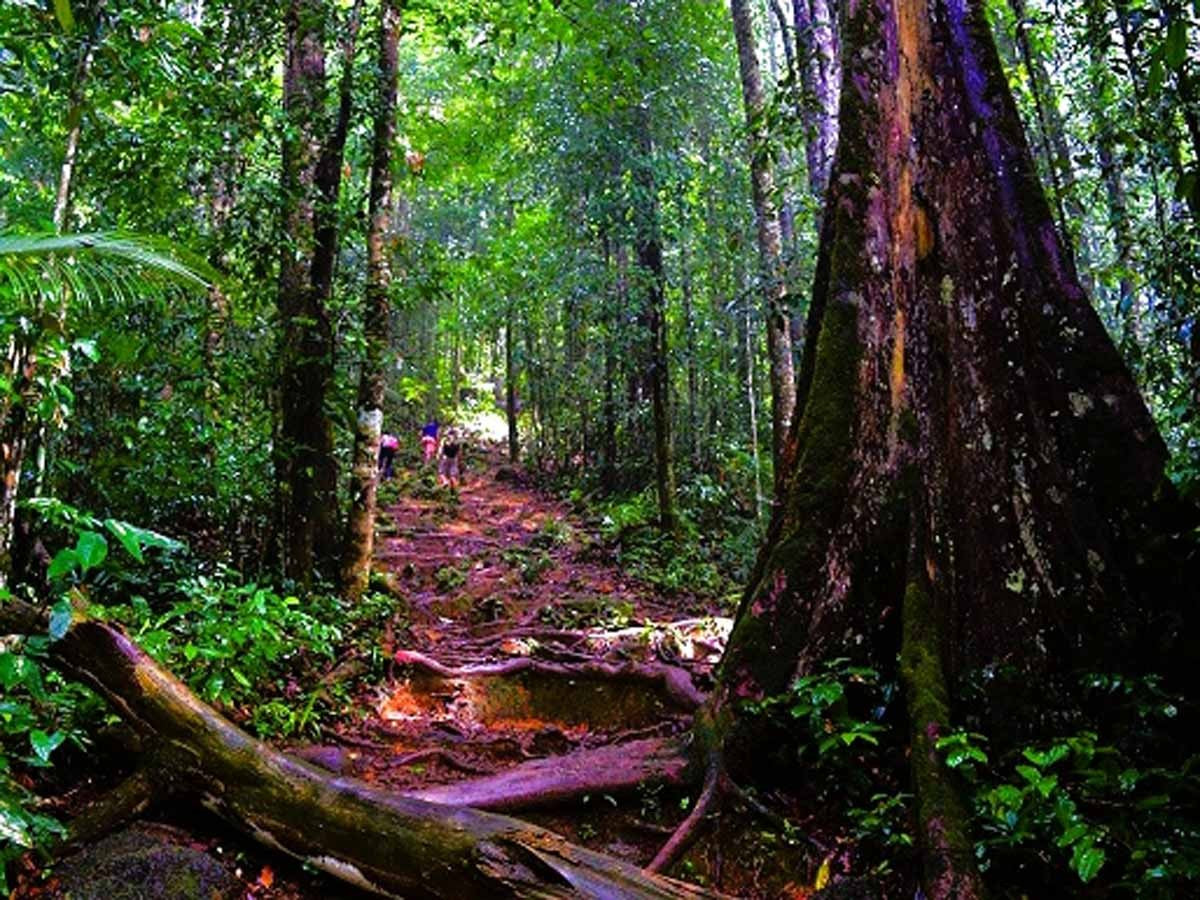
(499, 572)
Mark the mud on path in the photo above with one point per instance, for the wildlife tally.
(518, 641)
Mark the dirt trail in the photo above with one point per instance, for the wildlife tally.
(521, 640)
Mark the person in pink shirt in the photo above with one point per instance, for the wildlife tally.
(388, 445)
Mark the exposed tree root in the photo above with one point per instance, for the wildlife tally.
(383, 842)
(541, 782)
(676, 682)
(689, 829)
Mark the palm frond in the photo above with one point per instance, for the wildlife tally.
(38, 268)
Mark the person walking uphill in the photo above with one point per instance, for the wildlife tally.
(429, 440)
(388, 445)
(448, 473)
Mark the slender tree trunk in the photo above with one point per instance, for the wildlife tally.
(752, 407)
(1102, 96)
(62, 209)
(329, 181)
(74, 123)
(1054, 138)
(533, 382)
(1148, 125)
(650, 263)
(14, 426)
(770, 251)
(818, 47)
(787, 200)
(617, 263)
(220, 206)
(693, 363)
(510, 385)
(19, 435)
(360, 536)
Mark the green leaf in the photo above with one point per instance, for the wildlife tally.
(44, 744)
(91, 549)
(1087, 861)
(1175, 48)
(1072, 834)
(60, 619)
(1154, 82)
(239, 677)
(64, 561)
(1047, 785)
(1030, 774)
(62, 9)
(14, 827)
(128, 536)
(849, 737)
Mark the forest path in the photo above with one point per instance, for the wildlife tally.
(520, 638)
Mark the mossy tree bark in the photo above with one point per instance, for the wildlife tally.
(364, 481)
(959, 396)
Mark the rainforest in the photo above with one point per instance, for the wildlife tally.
(599, 448)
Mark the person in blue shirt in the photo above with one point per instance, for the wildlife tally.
(429, 440)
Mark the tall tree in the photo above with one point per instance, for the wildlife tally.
(313, 146)
(1103, 94)
(1055, 152)
(770, 249)
(818, 52)
(977, 478)
(649, 246)
(364, 480)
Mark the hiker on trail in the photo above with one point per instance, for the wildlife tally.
(448, 467)
(429, 440)
(388, 445)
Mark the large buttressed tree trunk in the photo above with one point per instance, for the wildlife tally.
(973, 455)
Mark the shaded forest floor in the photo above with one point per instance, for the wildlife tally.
(516, 642)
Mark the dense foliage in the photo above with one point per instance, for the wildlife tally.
(536, 140)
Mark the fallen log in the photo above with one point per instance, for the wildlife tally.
(383, 842)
